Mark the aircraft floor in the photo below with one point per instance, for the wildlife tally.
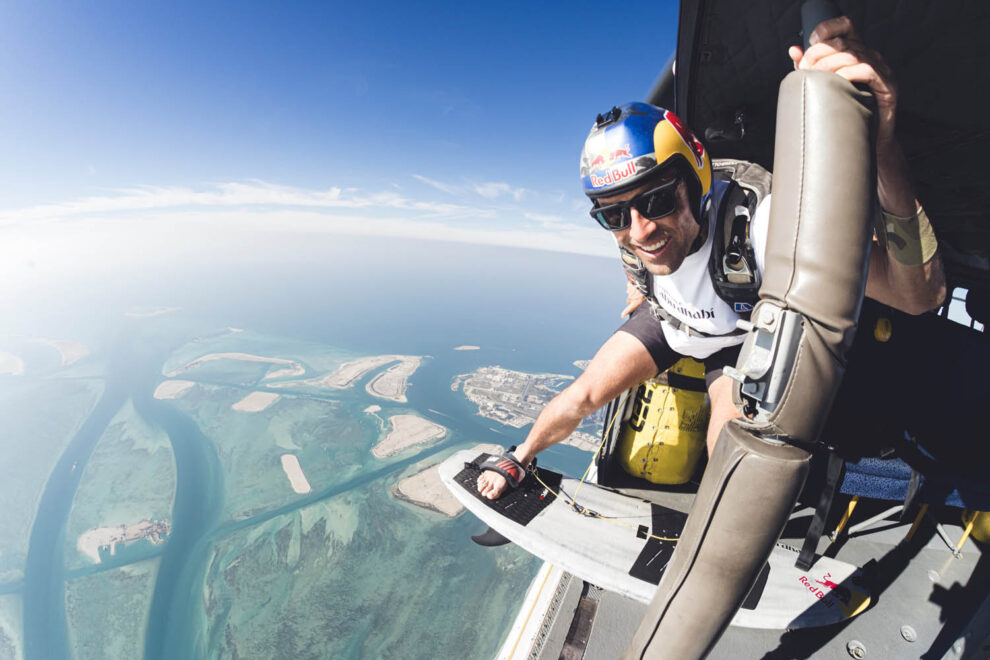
(926, 603)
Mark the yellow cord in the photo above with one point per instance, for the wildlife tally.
(598, 451)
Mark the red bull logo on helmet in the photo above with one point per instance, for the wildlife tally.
(614, 175)
(693, 143)
(607, 157)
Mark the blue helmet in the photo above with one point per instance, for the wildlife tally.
(628, 145)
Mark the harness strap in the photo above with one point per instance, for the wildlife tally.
(833, 474)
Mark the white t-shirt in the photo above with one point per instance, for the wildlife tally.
(689, 296)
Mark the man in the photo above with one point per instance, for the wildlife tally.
(658, 213)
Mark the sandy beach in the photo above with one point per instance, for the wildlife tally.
(172, 389)
(11, 364)
(425, 489)
(255, 402)
(294, 472)
(467, 347)
(70, 351)
(90, 541)
(407, 431)
(293, 368)
(392, 383)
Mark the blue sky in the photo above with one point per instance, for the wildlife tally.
(449, 120)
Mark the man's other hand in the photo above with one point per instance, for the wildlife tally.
(491, 484)
(633, 299)
(836, 46)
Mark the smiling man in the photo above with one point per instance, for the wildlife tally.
(809, 256)
(652, 185)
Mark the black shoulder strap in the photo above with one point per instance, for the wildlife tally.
(732, 265)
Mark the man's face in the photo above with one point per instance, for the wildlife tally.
(661, 244)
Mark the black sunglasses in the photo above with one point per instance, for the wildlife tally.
(652, 205)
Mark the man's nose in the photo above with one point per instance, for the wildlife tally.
(640, 228)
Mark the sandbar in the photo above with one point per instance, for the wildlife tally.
(407, 431)
(294, 472)
(11, 364)
(294, 368)
(391, 384)
(172, 389)
(155, 312)
(255, 402)
(70, 351)
(373, 410)
(467, 347)
(424, 489)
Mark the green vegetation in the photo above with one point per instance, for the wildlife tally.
(130, 476)
(107, 613)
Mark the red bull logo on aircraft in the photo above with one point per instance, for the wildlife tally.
(693, 143)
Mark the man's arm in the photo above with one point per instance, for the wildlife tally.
(918, 285)
(621, 363)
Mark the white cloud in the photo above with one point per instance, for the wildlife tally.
(496, 189)
(252, 193)
(442, 187)
(545, 218)
(119, 227)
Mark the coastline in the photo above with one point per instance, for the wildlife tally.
(407, 431)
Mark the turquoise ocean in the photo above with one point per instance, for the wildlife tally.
(250, 569)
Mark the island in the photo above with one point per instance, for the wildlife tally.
(426, 490)
(515, 398)
(349, 373)
(255, 402)
(297, 478)
(392, 383)
(292, 369)
(373, 410)
(407, 431)
(97, 542)
(172, 389)
(11, 364)
(69, 351)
